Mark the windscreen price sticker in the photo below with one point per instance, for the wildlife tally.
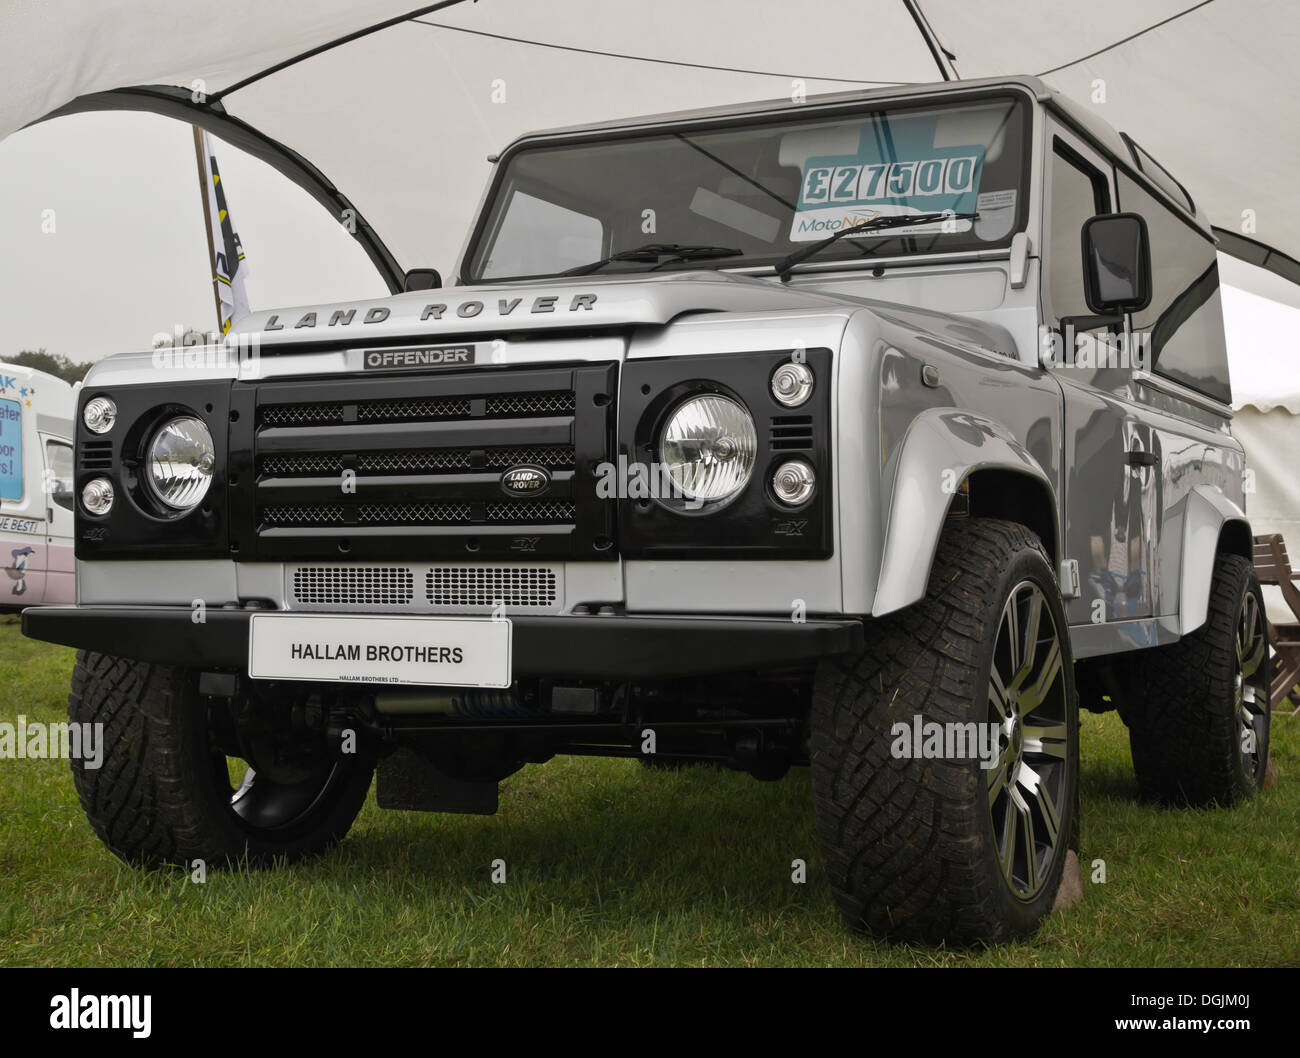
(848, 190)
(858, 185)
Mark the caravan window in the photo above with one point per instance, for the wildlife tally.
(11, 450)
(59, 472)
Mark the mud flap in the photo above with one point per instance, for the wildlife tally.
(408, 782)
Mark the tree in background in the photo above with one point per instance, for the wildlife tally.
(51, 363)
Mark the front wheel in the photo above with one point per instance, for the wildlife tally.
(166, 791)
(945, 756)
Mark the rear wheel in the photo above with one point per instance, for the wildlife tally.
(935, 845)
(167, 792)
(1199, 730)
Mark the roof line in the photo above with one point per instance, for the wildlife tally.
(216, 97)
(1131, 36)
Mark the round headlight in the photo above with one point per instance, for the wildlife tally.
(792, 383)
(97, 496)
(181, 455)
(99, 414)
(794, 482)
(709, 447)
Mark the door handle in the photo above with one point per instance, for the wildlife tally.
(1139, 458)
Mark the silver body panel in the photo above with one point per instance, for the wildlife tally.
(936, 376)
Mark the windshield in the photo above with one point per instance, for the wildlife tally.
(762, 190)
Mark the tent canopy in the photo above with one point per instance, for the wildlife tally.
(395, 123)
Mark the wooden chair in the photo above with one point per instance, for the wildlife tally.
(1274, 567)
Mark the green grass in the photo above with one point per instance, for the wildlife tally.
(608, 863)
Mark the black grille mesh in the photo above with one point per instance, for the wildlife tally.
(416, 460)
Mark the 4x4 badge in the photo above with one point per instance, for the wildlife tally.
(525, 481)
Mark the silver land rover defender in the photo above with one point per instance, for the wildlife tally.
(876, 432)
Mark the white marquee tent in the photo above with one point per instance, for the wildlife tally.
(391, 109)
(397, 122)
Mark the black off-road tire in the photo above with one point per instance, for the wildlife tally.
(909, 844)
(160, 797)
(1187, 728)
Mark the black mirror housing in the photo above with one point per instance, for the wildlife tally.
(422, 279)
(1116, 263)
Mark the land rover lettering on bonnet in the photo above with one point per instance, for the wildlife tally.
(872, 484)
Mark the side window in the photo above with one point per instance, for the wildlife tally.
(58, 472)
(1184, 322)
(1078, 192)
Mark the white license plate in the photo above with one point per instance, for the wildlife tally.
(429, 651)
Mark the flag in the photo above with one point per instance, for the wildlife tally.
(228, 265)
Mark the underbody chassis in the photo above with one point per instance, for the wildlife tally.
(592, 685)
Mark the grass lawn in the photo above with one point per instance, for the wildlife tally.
(609, 863)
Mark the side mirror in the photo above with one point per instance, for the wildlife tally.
(1116, 263)
(422, 279)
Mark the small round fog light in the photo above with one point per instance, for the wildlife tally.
(97, 496)
(794, 482)
(792, 383)
(99, 414)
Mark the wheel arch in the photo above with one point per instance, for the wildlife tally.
(1212, 524)
(949, 456)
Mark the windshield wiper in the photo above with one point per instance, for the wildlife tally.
(651, 252)
(875, 224)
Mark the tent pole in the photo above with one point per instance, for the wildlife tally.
(207, 217)
(943, 58)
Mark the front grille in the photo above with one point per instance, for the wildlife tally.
(410, 469)
(414, 513)
(303, 514)
(353, 585)
(416, 409)
(488, 586)
(553, 457)
(516, 512)
(301, 414)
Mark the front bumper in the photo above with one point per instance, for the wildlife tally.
(586, 647)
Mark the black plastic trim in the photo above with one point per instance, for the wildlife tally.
(620, 647)
(137, 526)
(754, 525)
